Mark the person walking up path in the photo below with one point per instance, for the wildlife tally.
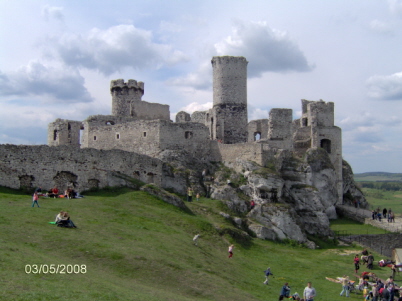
(267, 274)
(230, 250)
(195, 239)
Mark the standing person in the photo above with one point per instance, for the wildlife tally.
(390, 213)
(370, 261)
(267, 274)
(197, 197)
(189, 194)
(357, 261)
(374, 290)
(345, 285)
(195, 239)
(252, 205)
(285, 291)
(309, 292)
(230, 250)
(384, 212)
(35, 198)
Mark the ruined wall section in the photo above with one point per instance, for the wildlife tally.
(320, 113)
(33, 166)
(149, 111)
(201, 117)
(280, 129)
(189, 136)
(134, 136)
(229, 117)
(245, 151)
(64, 132)
(183, 117)
(257, 127)
(126, 101)
(95, 122)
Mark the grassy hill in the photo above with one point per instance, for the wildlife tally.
(136, 247)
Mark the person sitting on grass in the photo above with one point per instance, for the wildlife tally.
(63, 220)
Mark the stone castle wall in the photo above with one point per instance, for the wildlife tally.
(245, 151)
(63, 166)
(150, 111)
(136, 136)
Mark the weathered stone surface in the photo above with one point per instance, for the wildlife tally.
(263, 232)
(228, 194)
(351, 192)
(282, 220)
(164, 195)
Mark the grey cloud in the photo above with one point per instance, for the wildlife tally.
(35, 79)
(387, 87)
(52, 12)
(114, 49)
(266, 49)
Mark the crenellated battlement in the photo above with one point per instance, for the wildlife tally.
(119, 84)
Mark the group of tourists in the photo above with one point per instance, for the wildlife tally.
(386, 214)
(62, 218)
(309, 292)
(373, 288)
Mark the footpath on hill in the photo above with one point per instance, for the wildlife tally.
(365, 216)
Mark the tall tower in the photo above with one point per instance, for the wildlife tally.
(124, 94)
(229, 112)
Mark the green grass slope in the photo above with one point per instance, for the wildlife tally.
(136, 247)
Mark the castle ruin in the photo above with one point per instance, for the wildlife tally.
(220, 134)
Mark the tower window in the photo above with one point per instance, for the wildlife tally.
(94, 138)
(145, 134)
(257, 136)
(326, 144)
(55, 135)
(117, 136)
(188, 135)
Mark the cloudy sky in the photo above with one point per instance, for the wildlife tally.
(57, 59)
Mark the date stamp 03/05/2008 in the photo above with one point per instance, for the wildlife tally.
(55, 268)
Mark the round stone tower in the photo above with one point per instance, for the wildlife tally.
(229, 112)
(124, 94)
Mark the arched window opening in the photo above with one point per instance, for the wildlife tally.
(257, 136)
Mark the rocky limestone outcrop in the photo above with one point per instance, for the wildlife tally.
(351, 191)
(295, 197)
(164, 195)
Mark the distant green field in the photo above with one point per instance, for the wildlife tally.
(384, 199)
(377, 176)
(136, 247)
